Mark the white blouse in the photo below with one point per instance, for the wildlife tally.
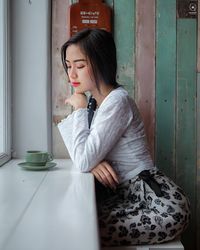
(116, 135)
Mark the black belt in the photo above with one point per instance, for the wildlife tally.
(149, 179)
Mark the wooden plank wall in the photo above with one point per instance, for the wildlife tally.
(176, 91)
(198, 134)
(145, 66)
(157, 65)
(165, 85)
(186, 114)
(124, 36)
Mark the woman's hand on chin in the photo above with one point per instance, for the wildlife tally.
(77, 100)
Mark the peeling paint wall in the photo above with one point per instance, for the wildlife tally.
(60, 87)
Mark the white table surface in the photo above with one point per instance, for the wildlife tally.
(47, 210)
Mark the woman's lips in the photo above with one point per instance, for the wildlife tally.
(75, 84)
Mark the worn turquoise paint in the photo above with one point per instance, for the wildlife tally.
(110, 3)
(165, 85)
(186, 116)
(124, 34)
(176, 137)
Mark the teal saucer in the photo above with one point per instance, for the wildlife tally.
(25, 165)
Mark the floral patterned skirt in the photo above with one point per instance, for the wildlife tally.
(134, 214)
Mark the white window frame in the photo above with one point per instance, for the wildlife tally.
(6, 89)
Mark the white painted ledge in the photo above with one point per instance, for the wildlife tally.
(47, 210)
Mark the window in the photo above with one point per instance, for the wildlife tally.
(5, 136)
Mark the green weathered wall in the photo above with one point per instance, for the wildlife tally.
(165, 85)
(124, 35)
(186, 115)
(176, 93)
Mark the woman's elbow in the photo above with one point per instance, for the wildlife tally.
(83, 166)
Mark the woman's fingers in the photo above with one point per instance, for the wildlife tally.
(77, 101)
(98, 177)
(111, 171)
(106, 175)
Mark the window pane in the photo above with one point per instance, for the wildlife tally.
(1, 79)
(1, 76)
(5, 136)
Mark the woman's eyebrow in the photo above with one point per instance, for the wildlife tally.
(77, 60)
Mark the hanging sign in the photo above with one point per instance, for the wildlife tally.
(89, 13)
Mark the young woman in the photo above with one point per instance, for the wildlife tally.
(137, 203)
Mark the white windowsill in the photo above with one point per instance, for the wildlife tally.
(47, 210)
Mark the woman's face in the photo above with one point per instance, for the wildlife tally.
(79, 70)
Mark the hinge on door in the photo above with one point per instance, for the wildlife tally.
(187, 8)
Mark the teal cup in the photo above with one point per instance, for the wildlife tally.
(38, 158)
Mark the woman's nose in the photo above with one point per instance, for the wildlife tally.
(72, 73)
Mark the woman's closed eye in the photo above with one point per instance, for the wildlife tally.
(80, 66)
(77, 66)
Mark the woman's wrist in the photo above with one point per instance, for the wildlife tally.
(79, 107)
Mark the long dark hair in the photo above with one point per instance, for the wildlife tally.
(99, 48)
